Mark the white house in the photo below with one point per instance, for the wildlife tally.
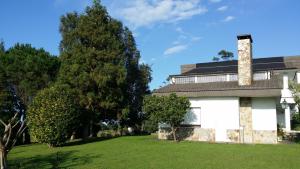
(238, 100)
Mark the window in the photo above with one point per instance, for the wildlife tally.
(193, 117)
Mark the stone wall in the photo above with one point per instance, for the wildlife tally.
(233, 136)
(201, 134)
(193, 133)
(265, 136)
(246, 119)
(244, 62)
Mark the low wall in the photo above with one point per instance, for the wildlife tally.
(196, 133)
(188, 133)
(265, 136)
(233, 136)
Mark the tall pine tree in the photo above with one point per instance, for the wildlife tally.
(100, 61)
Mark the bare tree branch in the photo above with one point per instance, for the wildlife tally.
(2, 123)
(16, 124)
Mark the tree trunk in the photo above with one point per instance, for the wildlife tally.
(91, 129)
(3, 158)
(174, 133)
(73, 136)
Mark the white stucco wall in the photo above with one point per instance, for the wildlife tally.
(264, 114)
(193, 116)
(218, 112)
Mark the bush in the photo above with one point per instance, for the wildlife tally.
(53, 115)
(151, 126)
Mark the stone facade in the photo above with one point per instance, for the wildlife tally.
(193, 133)
(233, 136)
(244, 62)
(246, 120)
(265, 136)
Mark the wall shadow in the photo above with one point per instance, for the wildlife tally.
(182, 133)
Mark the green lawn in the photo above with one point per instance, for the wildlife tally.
(139, 152)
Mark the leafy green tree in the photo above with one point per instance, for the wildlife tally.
(6, 96)
(225, 55)
(216, 59)
(2, 47)
(137, 80)
(167, 109)
(29, 70)
(295, 88)
(100, 62)
(53, 115)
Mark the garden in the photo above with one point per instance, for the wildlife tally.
(136, 152)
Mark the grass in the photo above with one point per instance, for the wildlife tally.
(143, 152)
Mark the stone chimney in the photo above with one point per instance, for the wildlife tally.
(245, 74)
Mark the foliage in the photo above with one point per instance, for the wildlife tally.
(29, 70)
(137, 79)
(225, 55)
(167, 109)
(150, 126)
(6, 98)
(100, 62)
(136, 152)
(296, 91)
(2, 47)
(216, 59)
(53, 115)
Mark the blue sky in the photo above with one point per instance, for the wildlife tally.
(168, 32)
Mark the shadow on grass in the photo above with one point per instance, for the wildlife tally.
(88, 140)
(56, 160)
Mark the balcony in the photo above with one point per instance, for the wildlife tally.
(215, 78)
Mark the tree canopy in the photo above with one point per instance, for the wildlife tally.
(29, 70)
(53, 115)
(167, 109)
(225, 55)
(100, 61)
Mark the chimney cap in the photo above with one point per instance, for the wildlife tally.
(245, 36)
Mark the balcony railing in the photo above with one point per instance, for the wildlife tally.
(215, 78)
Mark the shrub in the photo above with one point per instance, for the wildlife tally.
(53, 115)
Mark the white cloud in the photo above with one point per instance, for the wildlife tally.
(222, 8)
(140, 13)
(175, 49)
(228, 18)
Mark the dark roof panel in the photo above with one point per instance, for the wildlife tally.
(260, 64)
